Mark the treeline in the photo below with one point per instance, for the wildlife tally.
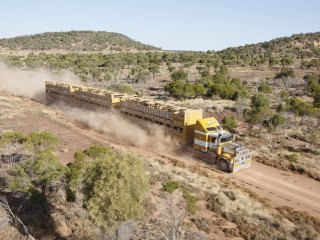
(278, 52)
(73, 41)
(298, 46)
(140, 65)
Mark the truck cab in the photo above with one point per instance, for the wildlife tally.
(210, 137)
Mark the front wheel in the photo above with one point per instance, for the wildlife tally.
(223, 165)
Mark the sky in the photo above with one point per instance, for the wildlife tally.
(198, 25)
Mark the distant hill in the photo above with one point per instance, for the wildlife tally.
(74, 41)
(298, 46)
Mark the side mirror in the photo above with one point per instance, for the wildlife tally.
(218, 140)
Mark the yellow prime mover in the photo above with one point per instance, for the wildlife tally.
(218, 145)
(203, 137)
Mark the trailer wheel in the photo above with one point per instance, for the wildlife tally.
(223, 165)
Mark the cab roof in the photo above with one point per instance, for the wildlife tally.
(208, 123)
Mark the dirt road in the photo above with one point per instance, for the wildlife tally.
(281, 187)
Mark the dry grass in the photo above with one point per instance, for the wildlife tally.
(293, 138)
(253, 218)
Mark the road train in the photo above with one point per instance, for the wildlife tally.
(203, 137)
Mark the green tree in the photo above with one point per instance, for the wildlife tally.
(37, 174)
(260, 111)
(176, 88)
(114, 187)
(154, 69)
(275, 122)
(43, 140)
(230, 123)
(188, 90)
(199, 90)
(11, 138)
(179, 75)
(286, 61)
(301, 108)
(313, 88)
(259, 101)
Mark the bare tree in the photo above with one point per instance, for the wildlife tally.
(170, 223)
(9, 217)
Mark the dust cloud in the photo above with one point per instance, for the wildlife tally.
(122, 131)
(30, 84)
(113, 125)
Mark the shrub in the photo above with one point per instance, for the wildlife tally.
(293, 157)
(285, 73)
(264, 88)
(38, 173)
(95, 151)
(191, 202)
(44, 140)
(70, 195)
(301, 108)
(170, 186)
(11, 137)
(122, 89)
(114, 186)
(179, 75)
(230, 123)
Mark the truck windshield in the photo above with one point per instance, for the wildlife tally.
(214, 128)
(226, 139)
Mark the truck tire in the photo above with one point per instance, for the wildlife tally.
(224, 165)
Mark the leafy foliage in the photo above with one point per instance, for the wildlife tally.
(301, 108)
(12, 138)
(170, 186)
(114, 185)
(122, 89)
(293, 157)
(154, 69)
(275, 122)
(191, 202)
(182, 88)
(43, 140)
(264, 88)
(259, 101)
(37, 173)
(219, 84)
(230, 123)
(260, 111)
(313, 87)
(179, 75)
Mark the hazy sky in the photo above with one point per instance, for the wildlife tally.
(169, 24)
